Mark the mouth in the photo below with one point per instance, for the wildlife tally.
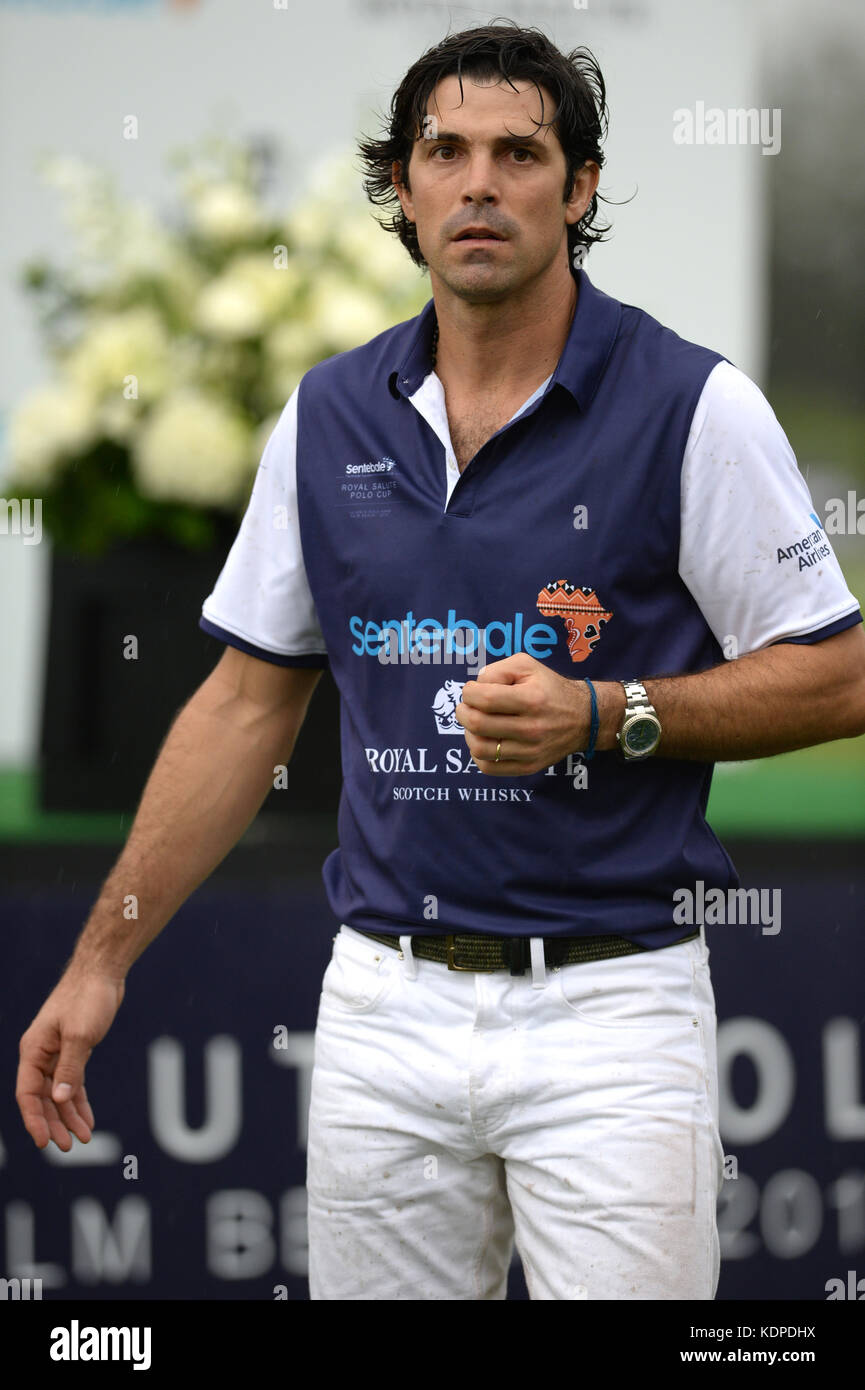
(479, 236)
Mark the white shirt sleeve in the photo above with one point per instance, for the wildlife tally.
(752, 551)
(262, 595)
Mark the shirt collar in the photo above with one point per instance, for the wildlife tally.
(587, 350)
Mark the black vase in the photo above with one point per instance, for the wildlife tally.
(125, 653)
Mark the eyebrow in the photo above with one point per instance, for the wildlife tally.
(448, 137)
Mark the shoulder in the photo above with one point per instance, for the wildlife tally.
(729, 389)
(732, 407)
(664, 354)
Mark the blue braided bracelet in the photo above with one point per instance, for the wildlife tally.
(593, 732)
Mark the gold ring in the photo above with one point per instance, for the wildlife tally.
(498, 751)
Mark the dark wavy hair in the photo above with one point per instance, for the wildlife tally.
(503, 50)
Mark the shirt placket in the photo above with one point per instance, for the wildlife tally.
(429, 402)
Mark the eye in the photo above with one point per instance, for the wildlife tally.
(523, 149)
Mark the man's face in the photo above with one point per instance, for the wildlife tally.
(484, 161)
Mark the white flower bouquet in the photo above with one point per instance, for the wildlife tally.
(177, 340)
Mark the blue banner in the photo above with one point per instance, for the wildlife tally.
(193, 1183)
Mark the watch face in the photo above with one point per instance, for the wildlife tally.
(641, 736)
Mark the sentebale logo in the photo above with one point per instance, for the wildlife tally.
(457, 641)
(581, 611)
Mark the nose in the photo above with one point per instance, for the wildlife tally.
(481, 178)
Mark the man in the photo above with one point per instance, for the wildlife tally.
(546, 491)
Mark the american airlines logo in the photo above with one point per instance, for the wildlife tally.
(808, 550)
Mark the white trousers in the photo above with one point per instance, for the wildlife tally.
(571, 1111)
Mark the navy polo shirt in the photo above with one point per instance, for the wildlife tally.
(574, 535)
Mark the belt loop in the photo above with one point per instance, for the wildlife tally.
(539, 971)
(410, 962)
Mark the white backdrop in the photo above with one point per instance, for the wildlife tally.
(689, 247)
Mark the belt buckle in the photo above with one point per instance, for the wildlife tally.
(452, 965)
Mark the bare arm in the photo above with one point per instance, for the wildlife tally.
(784, 697)
(206, 786)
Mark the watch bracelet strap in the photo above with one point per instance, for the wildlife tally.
(637, 699)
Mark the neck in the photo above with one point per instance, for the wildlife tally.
(501, 346)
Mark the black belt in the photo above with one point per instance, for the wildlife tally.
(513, 953)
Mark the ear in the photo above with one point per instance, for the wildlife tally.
(402, 191)
(585, 183)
